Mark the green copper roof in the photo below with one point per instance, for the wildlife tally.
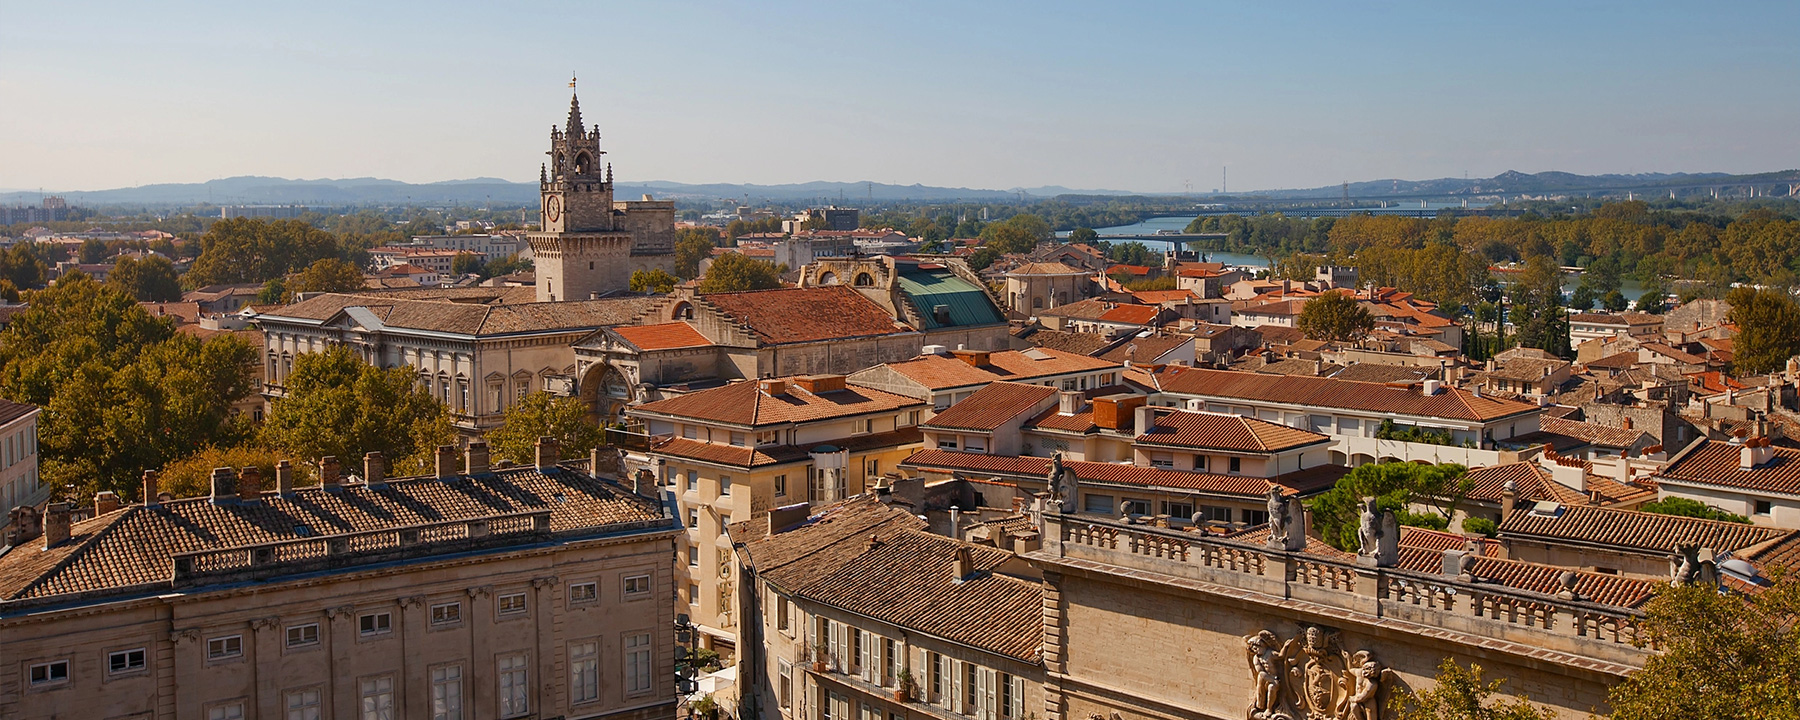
(968, 303)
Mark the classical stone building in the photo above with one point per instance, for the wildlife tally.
(537, 591)
(590, 243)
(19, 452)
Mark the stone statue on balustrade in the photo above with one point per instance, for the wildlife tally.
(1287, 520)
(1378, 536)
(1310, 677)
(1691, 565)
(1063, 484)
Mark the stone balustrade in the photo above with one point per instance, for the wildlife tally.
(1483, 609)
(348, 548)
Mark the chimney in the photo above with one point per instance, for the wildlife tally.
(1144, 417)
(284, 479)
(331, 473)
(374, 469)
(817, 384)
(250, 484)
(1509, 498)
(546, 453)
(961, 566)
(446, 462)
(1747, 456)
(1113, 411)
(775, 387)
(643, 483)
(151, 499)
(224, 485)
(56, 524)
(783, 519)
(594, 464)
(1431, 387)
(105, 501)
(1627, 422)
(1068, 402)
(975, 358)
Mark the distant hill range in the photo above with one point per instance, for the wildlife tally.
(253, 190)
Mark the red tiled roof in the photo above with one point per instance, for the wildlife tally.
(1131, 314)
(1164, 296)
(744, 403)
(1046, 268)
(1717, 462)
(746, 457)
(1231, 433)
(991, 406)
(1452, 403)
(1318, 478)
(813, 314)
(1279, 308)
(938, 372)
(662, 336)
(1543, 579)
(1600, 435)
(1632, 530)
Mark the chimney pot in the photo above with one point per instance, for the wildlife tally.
(284, 478)
(446, 462)
(105, 501)
(56, 524)
(374, 469)
(224, 486)
(150, 489)
(331, 473)
(546, 453)
(250, 484)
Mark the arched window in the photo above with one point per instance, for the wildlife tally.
(682, 311)
(1037, 303)
(863, 280)
(829, 278)
(582, 162)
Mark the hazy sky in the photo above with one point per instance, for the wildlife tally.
(1118, 95)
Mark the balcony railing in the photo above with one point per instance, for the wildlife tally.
(348, 548)
(1483, 609)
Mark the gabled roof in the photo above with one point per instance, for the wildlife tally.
(457, 318)
(1278, 308)
(1045, 268)
(1080, 343)
(1633, 531)
(991, 406)
(744, 403)
(1131, 314)
(1303, 482)
(1143, 350)
(811, 314)
(763, 455)
(1164, 296)
(880, 562)
(1449, 403)
(133, 546)
(1230, 433)
(662, 336)
(10, 411)
(1716, 462)
(937, 372)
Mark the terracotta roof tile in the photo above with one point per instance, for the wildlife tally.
(662, 336)
(1452, 403)
(991, 406)
(1600, 435)
(1306, 481)
(745, 403)
(1231, 433)
(1045, 268)
(1593, 587)
(938, 372)
(813, 314)
(1632, 530)
(1145, 349)
(1080, 343)
(1717, 463)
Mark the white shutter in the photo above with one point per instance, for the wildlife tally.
(956, 686)
(1018, 698)
(946, 692)
(836, 643)
(984, 685)
(865, 655)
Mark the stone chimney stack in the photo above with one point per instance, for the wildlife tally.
(963, 565)
(546, 453)
(105, 501)
(374, 469)
(284, 478)
(446, 462)
(1509, 497)
(224, 486)
(476, 458)
(594, 462)
(249, 484)
(331, 473)
(152, 493)
(56, 524)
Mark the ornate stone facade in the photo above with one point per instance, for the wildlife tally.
(590, 243)
(1311, 677)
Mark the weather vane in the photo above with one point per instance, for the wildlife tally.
(571, 81)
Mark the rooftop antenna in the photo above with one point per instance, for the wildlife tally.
(1224, 173)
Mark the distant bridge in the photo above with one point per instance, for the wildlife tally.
(1167, 237)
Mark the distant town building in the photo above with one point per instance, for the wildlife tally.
(264, 212)
(53, 209)
(491, 246)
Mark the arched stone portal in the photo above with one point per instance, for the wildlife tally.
(606, 391)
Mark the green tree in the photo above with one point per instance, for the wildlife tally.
(336, 404)
(467, 262)
(1721, 655)
(1335, 316)
(1691, 508)
(92, 251)
(151, 279)
(244, 250)
(1084, 235)
(1480, 526)
(1614, 301)
(734, 272)
(1395, 486)
(327, 275)
(1133, 253)
(191, 476)
(23, 266)
(654, 281)
(691, 246)
(541, 414)
(983, 257)
(1459, 694)
(1017, 234)
(273, 292)
(1539, 314)
(1582, 300)
(1768, 324)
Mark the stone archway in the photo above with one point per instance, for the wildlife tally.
(606, 391)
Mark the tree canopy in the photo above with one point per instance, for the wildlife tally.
(336, 404)
(541, 414)
(327, 275)
(1396, 486)
(1768, 324)
(245, 250)
(1459, 694)
(152, 279)
(1721, 655)
(733, 272)
(1017, 234)
(1335, 316)
(691, 246)
(654, 281)
(1691, 508)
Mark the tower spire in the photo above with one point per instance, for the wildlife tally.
(574, 108)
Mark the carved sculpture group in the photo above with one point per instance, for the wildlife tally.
(1310, 677)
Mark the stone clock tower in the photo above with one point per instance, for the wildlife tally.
(590, 244)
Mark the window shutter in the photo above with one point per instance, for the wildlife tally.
(866, 654)
(947, 691)
(1018, 697)
(984, 684)
(956, 686)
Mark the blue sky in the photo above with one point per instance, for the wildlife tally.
(1123, 95)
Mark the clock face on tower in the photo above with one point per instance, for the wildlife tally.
(553, 208)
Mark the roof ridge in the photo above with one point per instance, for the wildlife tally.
(77, 552)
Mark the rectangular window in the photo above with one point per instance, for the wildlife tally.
(636, 585)
(693, 555)
(125, 661)
(1101, 504)
(1137, 507)
(1178, 510)
(220, 648)
(446, 693)
(972, 688)
(890, 661)
(637, 663)
(584, 671)
(304, 704)
(583, 592)
(737, 438)
(1200, 463)
(724, 484)
(693, 518)
(1765, 507)
(380, 623)
(937, 677)
(693, 593)
(50, 673)
(690, 432)
(782, 610)
(514, 693)
(449, 613)
(693, 480)
(234, 711)
(303, 635)
(780, 485)
(975, 444)
(512, 604)
(1006, 696)
(784, 688)
(1237, 464)
(947, 442)
(858, 648)
(378, 698)
(1216, 514)
(1162, 460)
(1254, 517)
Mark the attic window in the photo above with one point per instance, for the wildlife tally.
(302, 531)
